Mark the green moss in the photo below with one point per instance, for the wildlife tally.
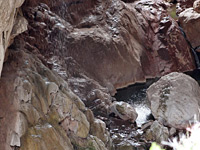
(172, 12)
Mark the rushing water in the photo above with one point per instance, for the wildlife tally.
(136, 96)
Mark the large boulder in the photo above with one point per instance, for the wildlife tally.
(190, 22)
(174, 99)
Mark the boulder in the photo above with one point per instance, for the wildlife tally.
(157, 132)
(98, 129)
(124, 111)
(190, 21)
(174, 99)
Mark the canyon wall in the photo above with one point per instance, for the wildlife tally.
(72, 58)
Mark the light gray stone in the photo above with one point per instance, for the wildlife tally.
(174, 99)
(157, 132)
(8, 13)
(124, 110)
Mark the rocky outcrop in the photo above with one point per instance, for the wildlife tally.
(12, 23)
(174, 99)
(190, 21)
(113, 42)
(79, 51)
(38, 110)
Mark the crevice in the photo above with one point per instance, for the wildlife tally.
(194, 50)
(128, 1)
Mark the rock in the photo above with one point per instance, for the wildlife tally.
(97, 144)
(10, 26)
(98, 129)
(190, 22)
(172, 131)
(174, 99)
(45, 137)
(182, 5)
(130, 50)
(157, 132)
(124, 111)
(27, 118)
(196, 6)
(15, 140)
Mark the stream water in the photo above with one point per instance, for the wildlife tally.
(136, 96)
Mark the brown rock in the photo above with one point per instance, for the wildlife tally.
(37, 109)
(190, 22)
(182, 5)
(196, 6)
(141, 42)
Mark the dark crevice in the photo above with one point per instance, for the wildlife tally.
(128, 1)
(194, 50)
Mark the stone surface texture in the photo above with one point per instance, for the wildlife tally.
(190, 22)
(124, 111)
(12, 23)
(63, 71)
(174, 99)
(112, 42)
(157, 132)
(38, 110)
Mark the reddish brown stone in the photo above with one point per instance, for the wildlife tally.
(114, 43)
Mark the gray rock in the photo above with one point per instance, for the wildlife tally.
(174, 99)
(124, 110)
(157, 132)
(8, 19)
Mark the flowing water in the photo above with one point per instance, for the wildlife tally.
(136, 96)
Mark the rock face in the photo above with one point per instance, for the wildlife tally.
(38, 110)
(12, 23)
(77, 51)
(190, 22)
(174, 99)
(112, 42)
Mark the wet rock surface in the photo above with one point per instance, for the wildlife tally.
(174, 100)
(124, 111)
